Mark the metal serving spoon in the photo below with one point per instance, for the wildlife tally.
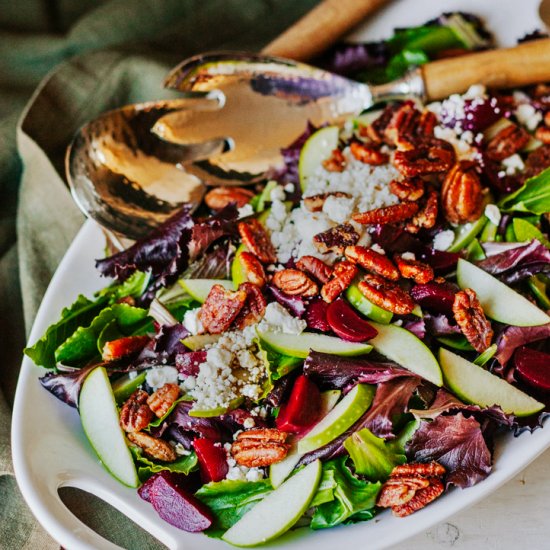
(255, 104)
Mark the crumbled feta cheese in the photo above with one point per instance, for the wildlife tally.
(408, 256)
(158, 376)
(475, 90)
(289, 188)
(249, 423)
(132, 374)
(338, 209)
(277, 194)
(254, 474)
(278, 319)
(189, 383)
(377, 248)
(236, 473)
(513, 164)
(528, 116)
(180, 449)
(493, 213)
(463, 148)
(245, 211)
(443, 240)
(192, 322)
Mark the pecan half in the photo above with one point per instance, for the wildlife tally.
(220, 197)
(161, 400)
(252, 268)
(508, 141)
(407, 189)
(429, 156)
(419, 272)
(221, 308)
(135, 414)
(254, 306)
(123, 347)
(461, 193)
(377, 130)
(153, 447)
(426, 217)
(295, 283)
(315, 267)
(336, 239)
(315, 202)
(256, 239)
(336, 162)
(425, 469)
(368, 154)
(372, 261)
(543, 134)
(537, 161)
(408, 124)
(396, 492)
(471, 319)
(260, 447)
(387, 214)
(342, 276)
(421, 498)
(385, 294)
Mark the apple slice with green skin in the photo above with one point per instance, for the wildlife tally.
(100, 420)
(466, 233)
(403, 347)
(339, 419)
(278, 511)
(200, 288)
(475, 385)
(199, 341)
(126, 386)
(366, 307)
(299, 345)
(218, 411)
(499, 301)
(316, 149)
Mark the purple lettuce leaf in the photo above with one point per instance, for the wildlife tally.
(215, 264)
(512, 338)
(331, 450)
(164, 347)
(417, 327)
(515, 264)
(295, 304)
(438, 297)
(457, 443)
(336, 372)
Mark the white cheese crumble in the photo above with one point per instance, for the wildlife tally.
(462, 146)
(278, 319)
(493, 213)
(132, 374)
(245, 211)
(443, 240)
(249, 423)
(513, 164)
(289, 188)
(338, 209)
(192, 322)
(528, 116)
(408, 256)
(158, 376)
(377, 248)
(277, 194)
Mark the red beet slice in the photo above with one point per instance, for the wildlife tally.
(189, 482)
(316, 315)
(440, 260)
(188, 363)
(347, 324)
(212, 460)
(437, 297)
(533, 367)
(301, 411)
(178, 507)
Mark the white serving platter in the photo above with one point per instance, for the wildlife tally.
(49, 447)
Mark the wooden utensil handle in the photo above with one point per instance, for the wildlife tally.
(320, 28)
(503, 68)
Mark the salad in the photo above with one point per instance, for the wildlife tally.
(348, 337)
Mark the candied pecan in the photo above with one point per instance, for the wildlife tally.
(547, 118)
(396, 492)
(426, 124)
(372, 261)
(543, 134)
(135, 414)
(404, 122)
(123, 347)
(260, 447)
(471, 319)
(537, 161)
(419, 272)
(461, 193)
(220, 197)
(256, 239)
(315, 202)
(221, 308)
(429, 156)
(421, 498)
(253, 269)
(387, 214)
(342, 276)
(153, 447)
(295, 283)
(376, 130)
(315, 267)
(508, 141)
(368, 154)
(161, 400)
(385, 294)
(336, 162)
(408, 189)
(426, 216)
(254, 306)
(425, 469)
(336, 239)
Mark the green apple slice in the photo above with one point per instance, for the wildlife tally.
(99, 416)
(403, 347)
(466, 233)
(200, 288)
(475, 385)
(316, 149)
(278, 511)
(498, 300)
(199, 341)
(299, 345)
(238, 274)
(126, 386)
(339, 419)
(218, 411)
(366, 307)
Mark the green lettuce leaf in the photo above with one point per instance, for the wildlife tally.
(278, 365)
(533, 196)
(229, 500)
(134, 286)
(526, 231)
(81, 312)
(353, 499)
(146, 467)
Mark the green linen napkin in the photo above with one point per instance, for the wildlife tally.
(111, 53)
